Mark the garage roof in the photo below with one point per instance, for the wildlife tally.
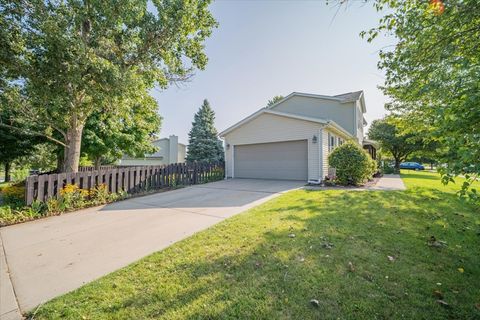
(342, 98)
(325, 122)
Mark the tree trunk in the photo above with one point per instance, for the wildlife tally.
(397, 165)
(98, 163)
(7, 172)
(61, 152)
(74, 141)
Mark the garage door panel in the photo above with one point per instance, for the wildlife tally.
(277, 160)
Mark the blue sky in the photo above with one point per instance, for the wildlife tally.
(266, 48)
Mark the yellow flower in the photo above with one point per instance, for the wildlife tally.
(69, 188)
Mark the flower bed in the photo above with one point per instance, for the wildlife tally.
(71, 198)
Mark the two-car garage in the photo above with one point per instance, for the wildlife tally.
(291, 139)
(286, 160)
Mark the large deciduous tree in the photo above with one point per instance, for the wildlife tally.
(392, 140)
(203, 143)
(433, 72)
(62, 61)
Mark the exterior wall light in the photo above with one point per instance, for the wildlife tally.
(228, 146)
(315, 139)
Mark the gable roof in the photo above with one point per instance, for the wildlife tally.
(350, 96)
(327, 123)
(342, 98)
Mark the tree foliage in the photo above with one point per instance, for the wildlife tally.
(432, 74)
(15, 143)
(352, 164)
(63, 61)
(108, 136)
(203, 143)
(393, 140)
(274, 100)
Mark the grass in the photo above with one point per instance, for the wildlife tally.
(251, 266)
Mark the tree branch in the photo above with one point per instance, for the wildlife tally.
(34, 133)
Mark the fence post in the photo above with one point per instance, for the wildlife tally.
(41, 187)
(29, 190)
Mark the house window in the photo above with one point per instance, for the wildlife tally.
(331, 142)
(340, 141)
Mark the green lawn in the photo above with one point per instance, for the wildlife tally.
(252, 267)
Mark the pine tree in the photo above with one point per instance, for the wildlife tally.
(203, 143)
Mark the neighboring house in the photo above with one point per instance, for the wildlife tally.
(292, 138)
(169, 151)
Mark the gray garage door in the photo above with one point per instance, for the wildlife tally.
(278, 160)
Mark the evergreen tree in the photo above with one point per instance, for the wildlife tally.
(203, 143)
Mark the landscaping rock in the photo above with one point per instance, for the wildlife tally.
(315, 303)
(291, 235)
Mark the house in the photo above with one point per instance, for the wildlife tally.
(169, 151)
(292, 138)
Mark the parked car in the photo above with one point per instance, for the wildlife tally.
(411, 166)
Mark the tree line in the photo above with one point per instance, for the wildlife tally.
(432, 78)
(76, 75)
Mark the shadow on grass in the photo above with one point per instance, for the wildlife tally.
(420, 175)
(332, 246)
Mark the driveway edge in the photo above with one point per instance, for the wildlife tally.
(9, 309)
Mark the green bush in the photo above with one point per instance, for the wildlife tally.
(387, 168)
(353, 164)
(9, 215)
(13, 194)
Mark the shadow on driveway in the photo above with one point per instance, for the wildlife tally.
(220, 194)
(55, 255)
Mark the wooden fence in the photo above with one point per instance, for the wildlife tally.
(92, 168)
(129, 179)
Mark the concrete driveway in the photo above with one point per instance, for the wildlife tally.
(52, 256)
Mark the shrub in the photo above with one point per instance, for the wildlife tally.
(54, 206)
(387, 168)
(99, 194)
(73, 197)
(10, 215)
(353, 164)
(14, 195)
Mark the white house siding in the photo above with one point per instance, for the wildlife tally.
(182, 151)
(359, 122)
(342, 113)
(325, 153)
(273, 128)
(142, 162)
(162, 156)
(163, 151)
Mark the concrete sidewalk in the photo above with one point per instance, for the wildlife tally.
(55, 255)
(389, 182)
